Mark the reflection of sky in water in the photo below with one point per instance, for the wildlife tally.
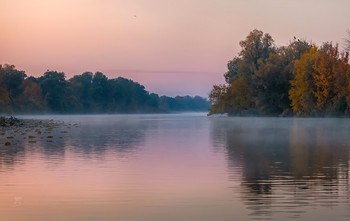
(180, 167)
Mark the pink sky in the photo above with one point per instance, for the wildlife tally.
(172, 47)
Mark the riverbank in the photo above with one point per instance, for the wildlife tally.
(14, 131)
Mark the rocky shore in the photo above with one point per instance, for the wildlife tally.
(18, 131)
(7, 122)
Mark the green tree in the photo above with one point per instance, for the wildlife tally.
(233, 67)
(53, 85)
(100, 90)
(81, 89)
(272, 82)
(272, 79)
(256, 46)
(11, 80)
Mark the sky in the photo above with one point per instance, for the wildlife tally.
(172, 47)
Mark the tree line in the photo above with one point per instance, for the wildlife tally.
(300, 79)
(85, 93)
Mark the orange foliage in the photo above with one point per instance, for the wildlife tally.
(32, 93)
(321, 82)
(330, 78)
(301, 92)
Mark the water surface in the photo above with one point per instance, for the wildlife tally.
(180, 167)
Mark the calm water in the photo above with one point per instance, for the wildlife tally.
(180, 167)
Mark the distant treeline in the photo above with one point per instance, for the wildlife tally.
(298, 79)
(85, 93)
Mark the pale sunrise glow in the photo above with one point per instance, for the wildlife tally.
(160, 44)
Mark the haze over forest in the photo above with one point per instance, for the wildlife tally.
(85, 93)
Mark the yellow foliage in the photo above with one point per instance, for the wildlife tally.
(300, 94)
(32, 92)
(240, 95)
(324, 76)
(321, 82)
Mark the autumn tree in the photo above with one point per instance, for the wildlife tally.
(302, 90)
(239, 96)
(217, 97)
(321, 83)
(31, 98)
(256, 46)
(272, 78)
(266, 69)
(255, 49)
(330, 79)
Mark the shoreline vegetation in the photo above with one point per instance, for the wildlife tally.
(87, 93)
(300, 79)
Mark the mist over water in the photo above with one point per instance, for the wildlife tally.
(289, 168)
(180, 167)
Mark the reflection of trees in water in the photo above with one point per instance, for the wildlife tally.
(319, 151)
(9, 155)
(287, 163)
(91, 139)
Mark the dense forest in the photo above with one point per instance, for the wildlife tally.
(85, 93)
(300, 79)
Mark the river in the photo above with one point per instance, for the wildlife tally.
(180, 167)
